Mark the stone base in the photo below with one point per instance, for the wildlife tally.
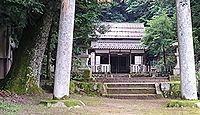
(176, 71)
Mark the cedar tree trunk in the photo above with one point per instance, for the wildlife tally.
(24, 75)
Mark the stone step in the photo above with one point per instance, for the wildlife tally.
(110, 75)
(135, 85)
(133, 96)
(123, 90)
(130, 80)
(131, 88)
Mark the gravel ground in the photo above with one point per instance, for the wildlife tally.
(105, 106)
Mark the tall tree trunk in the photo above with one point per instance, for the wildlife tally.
(186, 51)
(48, 69)
(64, 51)
(24, 75)
(164, 60)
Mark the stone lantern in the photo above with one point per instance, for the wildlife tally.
(84, 60)
(176, 70)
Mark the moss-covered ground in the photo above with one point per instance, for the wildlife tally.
(182, 103)
(66, 102)
(99, 106)
(9, 108)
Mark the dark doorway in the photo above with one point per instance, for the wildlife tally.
(120, 63)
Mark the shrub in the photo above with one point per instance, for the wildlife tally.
(174, 92)
(84, 75)
(182, 103)
(87, 75)
(88, 88)
(72, 87)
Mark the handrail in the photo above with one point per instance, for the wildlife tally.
(136, 68)
(104, 68)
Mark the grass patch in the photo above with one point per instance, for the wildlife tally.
(182, 103)
(9, 108)
(67, 102)
(173, 82)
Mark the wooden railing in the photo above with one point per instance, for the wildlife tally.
(105, 68)
(101, 68)
(137, 68)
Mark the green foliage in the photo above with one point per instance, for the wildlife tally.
(142, 10)
(9, 108)
(198, 81)
(87, 75)
(87, 12)
(89, 88)
(72, 87)
(135, 10)
(86, 20)
(195, 4)
(159, 36)
(174, 92)
(114, 12)
(198, 75)
(19, 12)
(84, 75)
(72, 103)
(182, 103)
(170, 62)
(67, 102)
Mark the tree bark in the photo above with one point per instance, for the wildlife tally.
(164, 60)
(48, 69)
(24, 75)
(64, 51)
(186, 51)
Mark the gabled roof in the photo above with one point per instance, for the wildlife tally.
(120, 36)
(123, 31)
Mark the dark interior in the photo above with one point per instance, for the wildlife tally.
(120, 63)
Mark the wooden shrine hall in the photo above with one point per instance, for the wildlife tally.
(119, 49)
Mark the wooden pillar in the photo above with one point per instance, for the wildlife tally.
(130, 59)
(130, 63)
(93, 61)
(186, 51)
(92, 58)
(109, 58)
(109, 62)
(144, 59)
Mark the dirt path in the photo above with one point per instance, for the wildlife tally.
(106, 106)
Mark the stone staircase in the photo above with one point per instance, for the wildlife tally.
(132, 90)
(123, 87)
